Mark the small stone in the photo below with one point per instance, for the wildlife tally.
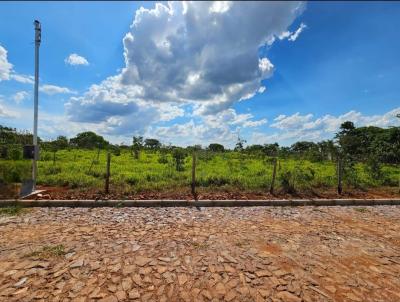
(121, 296)
(95, 265)
(134, 294)
(60, 272)
(109, 299)
(185, 296)
(182, 279)
(263, 273)
(206, 294)
(137, 279)
(145, 270)
(147, 297)
(161, 269)
(20, 291)
(230, 296)
(353, 297)
(21, 282)
(229, 269)
(288, 297)
(97, 294)
(128, 269)
(115, 268)
(280, 273)
(142, 261)
(77, 263)
(127, 283)
(331, 288)
(77, 286)
(228, 257)
(135, 247)
(220, 289)
(264, 293)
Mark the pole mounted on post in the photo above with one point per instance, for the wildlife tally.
(38, 38)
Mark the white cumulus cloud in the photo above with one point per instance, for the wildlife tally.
(75, 59)
(22, 78)
(296, 34)
(180, 54)
(20, 96)
(53, 89)
(5, 66)
(6, 112)
(298, 127)
(292, 36)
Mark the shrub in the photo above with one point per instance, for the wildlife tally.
(15, 154)
(179, 156)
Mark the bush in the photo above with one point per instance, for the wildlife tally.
(213, 180)
(163, 159)
(286, 180)
(15, 154)
(179, 156)
(296, 178)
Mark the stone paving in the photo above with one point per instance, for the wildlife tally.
(208, 254)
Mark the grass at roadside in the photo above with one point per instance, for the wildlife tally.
(12, 211)
(154, 171)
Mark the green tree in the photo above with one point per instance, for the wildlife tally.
(152, 143)
(137, 145)
(239, 147)
(89, 140)
(61, 142)
(214, 147)
(271, 149)
(179, 155)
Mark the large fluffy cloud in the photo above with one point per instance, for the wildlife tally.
(5, 66)
(203, 51)
(204, 55)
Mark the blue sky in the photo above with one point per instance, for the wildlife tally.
(195, 73)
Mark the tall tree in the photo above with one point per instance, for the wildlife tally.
(89, 140)
(137, 145)
(152, 143)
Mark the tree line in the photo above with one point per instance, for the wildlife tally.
(353, 144)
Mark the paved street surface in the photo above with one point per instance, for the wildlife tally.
(211, 254)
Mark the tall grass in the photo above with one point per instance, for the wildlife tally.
(156, 171)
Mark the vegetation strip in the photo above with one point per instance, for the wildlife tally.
(198, 203)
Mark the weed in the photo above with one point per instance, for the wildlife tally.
(361, 210)
(199, 245)
(48, 252)
(12, 210)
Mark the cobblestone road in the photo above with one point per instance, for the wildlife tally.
(212, 254)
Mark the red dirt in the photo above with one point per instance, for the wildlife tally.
(95, 194)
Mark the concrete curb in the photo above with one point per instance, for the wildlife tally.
(198, 203)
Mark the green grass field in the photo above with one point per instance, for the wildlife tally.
(155, 172)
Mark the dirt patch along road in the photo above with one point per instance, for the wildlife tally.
(215, 254)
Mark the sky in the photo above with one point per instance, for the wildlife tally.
(200, 73)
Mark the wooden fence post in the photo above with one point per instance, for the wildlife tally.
(339, 175)
(107, 184)
(271, 189)
(194, 173)
(399, 183)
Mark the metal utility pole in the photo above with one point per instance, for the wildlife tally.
(38, 36)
